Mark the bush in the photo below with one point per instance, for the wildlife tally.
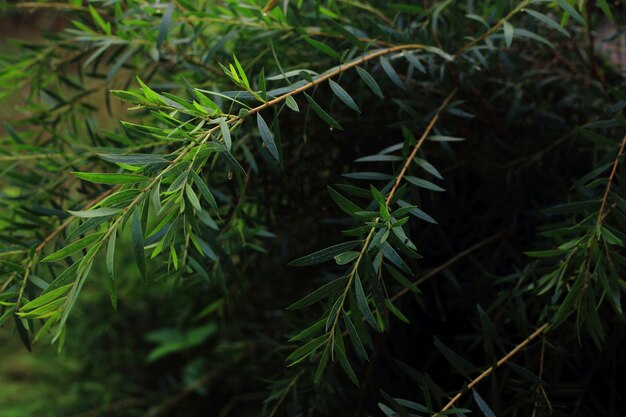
(452, 170)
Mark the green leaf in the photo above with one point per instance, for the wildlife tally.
(508, 33)
(548, 21)
(322, 113)
(73, 248)
(428, 167)
(571, 11)
(99, 212)
(354, 337)
(390, 253)
(193, 198)
(133, 159)
(344, 204)
(204, 190)
(105, 178)
(241, 72)
(459, 363)
(343, 361)
(482, 405)
(292, 104)
(396, 312)
(136, 234)
(164, 27)
(423, 183)
(391, 72)
(606, 9)
(106, 27)
(325, 254)
(322, 292)
(370, 81)
(346, 257)
(225, 133)
(110, 265)
(267, 136)
(46, 298)
(303, 352)
(363, 304)
(323, 48)
(343, 96)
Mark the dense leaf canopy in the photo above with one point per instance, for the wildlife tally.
(303, 208)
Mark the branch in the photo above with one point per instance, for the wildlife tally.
(447, 264)
(489, 371)
(601, 213)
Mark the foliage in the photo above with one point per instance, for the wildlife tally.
(474, 145)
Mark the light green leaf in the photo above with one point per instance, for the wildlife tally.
(105, 178)
(73, 248)
(508, 33)
(99, 212)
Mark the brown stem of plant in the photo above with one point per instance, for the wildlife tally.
(340, 69)
(489, 371)
(193, 386)
(447, 264)
(605, 198)
(418, 145)
(285, 393)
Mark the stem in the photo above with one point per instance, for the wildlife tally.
(446, 264)
(489, 371)
(601, 214)
(493, 28)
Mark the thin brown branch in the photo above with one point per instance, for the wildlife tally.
(286, 391)
(197, 383)
(418, 145)
(340, 69)
(489, 371)
(605, 198)
(447, 264)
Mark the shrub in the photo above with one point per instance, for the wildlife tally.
(452, 170)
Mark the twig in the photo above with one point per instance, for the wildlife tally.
(340, 69)
(193, 386)
(447, 264)
(285, 393)
(418, 145)
(489, 371)
(601, 214)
